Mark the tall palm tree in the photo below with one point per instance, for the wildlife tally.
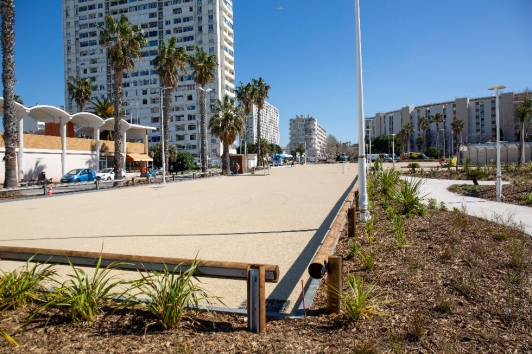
(7, 10)
(420, 142)
(261, 93)
(226, 123)
(438, 119)
(523, 112)
(123, 42)
(80, 91)
(204, 66)
(423, 124)
(457, 126)
(104, 108)
(409, 130)
(246, 96)
(168, 61)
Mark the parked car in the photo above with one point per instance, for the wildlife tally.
(388, 158)
(79, 175)
(107, 174)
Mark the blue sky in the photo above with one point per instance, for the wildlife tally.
(414, 52)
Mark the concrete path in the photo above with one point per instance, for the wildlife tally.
(486, 209)
(277, 219)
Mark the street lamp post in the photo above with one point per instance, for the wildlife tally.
(443, 131)
(370, 131)
(204, 132)
(498, 185)
(393, 150)
(363, 199)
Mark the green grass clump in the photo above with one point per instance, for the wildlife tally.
(172, 295)
(408, 196)
(359, 300)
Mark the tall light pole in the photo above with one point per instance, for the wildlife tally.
(204, 132)
(161, 90)
(370, 131)
(393, 150)
(363, 200)
(443, 131)
(498, 185)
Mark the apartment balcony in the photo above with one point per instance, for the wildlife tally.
(229, 66)
(228, 37)
(230, 75)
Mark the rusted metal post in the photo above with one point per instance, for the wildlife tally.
(334, 284)
(351, 221)
(256, 299)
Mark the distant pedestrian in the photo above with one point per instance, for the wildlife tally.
(292, 163)
(237, 168)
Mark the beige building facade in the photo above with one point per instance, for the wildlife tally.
(305, 131)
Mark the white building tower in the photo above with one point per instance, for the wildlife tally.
(206, 23)
(269, 124)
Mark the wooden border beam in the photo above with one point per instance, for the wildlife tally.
(213, 269)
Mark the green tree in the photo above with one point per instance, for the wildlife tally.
(104, 108)
(123, 42)
(523, 112)
(156, 152)
(251, 148)
(423, 124)
(80, 90)
(457, 126)
(7, 11)
(204, 66)
(261, 94)
(299, 149)
(184, 161)
(226, 123)
(245, 94)
(408, 129)
(438, 119)
(18, 99)
(275, 149)
(168, 61)
(383, 144)
(420, 142)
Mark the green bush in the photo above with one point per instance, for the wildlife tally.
(358, 300)
(412, 166)
(408, 196)
(475, 174)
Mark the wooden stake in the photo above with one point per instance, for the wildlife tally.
(351, 221)
(356, 199)
(334, 284)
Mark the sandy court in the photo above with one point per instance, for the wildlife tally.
(276, 219)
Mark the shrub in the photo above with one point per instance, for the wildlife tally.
(171, 295)
(443, 207)
(412, 166)
(433, 203)
(354, 248)
(475, 174)
(388, 182)
(358, 300)
(367, 258)
(528, 198)
(84, 295)
(399, 231)
(408, 196)
(467, 164)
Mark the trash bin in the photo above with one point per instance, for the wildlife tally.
(42, 176)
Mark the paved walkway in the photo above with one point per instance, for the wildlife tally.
(277, 219)
(486, 209)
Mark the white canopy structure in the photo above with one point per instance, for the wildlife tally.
(90, 124)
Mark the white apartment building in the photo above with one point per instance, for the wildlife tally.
(206, 23)
(478, 115)
(269, 128)
(305, 131)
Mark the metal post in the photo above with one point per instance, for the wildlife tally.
(256, 300)
(161, 89)
(97, 184)
(498, 144)
(393, 151)
(364, 212)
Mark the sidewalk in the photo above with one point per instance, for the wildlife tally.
(437, 189)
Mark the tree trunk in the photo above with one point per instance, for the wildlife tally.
(8, 81)
(203, 132)
(167, 101)
(521, 142)
(118, 123)
(226, 168)
(438, 139)
(259, 108)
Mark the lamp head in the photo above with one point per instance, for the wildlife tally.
(496, 88)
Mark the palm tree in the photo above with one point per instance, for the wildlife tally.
(261, 93)
(123, 42)
(457, 126)
(523, 112)
(104, 108)
(226, 123)
(423, 124)
(7, 11)
(409, 130)
(420, 142)
(246, 96)
(437, 118)
(204, 66)
(167, 62)
(18, 99)
(80, 90)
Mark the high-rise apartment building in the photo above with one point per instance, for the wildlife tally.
(478, 115)
(205, 23)
(269, 127)
(305, 131)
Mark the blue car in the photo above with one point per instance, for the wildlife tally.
(79, 175)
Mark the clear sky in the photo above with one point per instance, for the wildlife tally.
(414, 52)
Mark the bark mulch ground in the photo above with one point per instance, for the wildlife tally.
(458, 284)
